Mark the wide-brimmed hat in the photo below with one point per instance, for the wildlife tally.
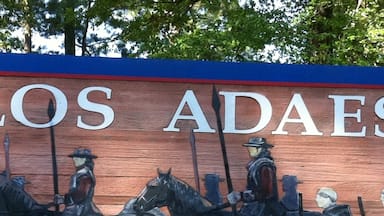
(258, 142)
(82, 153)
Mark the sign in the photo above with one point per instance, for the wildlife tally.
(326, 123)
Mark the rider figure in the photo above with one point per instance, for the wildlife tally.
(79, 199)
(261, 196)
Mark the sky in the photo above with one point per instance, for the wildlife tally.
(56, 43)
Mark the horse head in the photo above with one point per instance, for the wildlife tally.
(155, 194)
(180, 198)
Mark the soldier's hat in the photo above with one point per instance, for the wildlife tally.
(82, 153)
(258, 142)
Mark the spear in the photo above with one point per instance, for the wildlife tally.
(194, 159)
(301, 211)
(51, 114)
(361, 205)
(6, 151)
(216, 107)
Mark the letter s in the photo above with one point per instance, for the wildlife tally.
(104, 110)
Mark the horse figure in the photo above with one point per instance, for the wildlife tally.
(15, 201)
(180, 198)
(129, 210)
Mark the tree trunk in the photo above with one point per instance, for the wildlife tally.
(69, 40)
(85, 31)
(69, 27)
(28, 16)
(28, 39)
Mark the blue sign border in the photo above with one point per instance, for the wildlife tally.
(34, 65)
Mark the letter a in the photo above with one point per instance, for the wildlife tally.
(197, 114)
(305, 117)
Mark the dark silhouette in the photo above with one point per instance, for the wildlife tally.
(180, 198)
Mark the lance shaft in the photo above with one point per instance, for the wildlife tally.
(51, 114)
(361, 205)
(216, 107)
(301, 210)
(6, 151)
(194, 159)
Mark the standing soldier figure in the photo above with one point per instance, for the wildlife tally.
(79, 199)
(261, 196)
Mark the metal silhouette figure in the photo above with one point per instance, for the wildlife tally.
(212, 188)
(291, 199)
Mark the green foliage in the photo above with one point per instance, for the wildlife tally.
(190, 29)
(16, 15)
(342, 33)
(206, 30)
(294, 31)
(9, 43)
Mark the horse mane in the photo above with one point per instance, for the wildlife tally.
(188, 198)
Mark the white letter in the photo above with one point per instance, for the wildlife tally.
(340, 115)
(230, 111)
(197, 114)
(17, 105)
(304, 117)
(105, 110)
(2, 120)
(379, 110)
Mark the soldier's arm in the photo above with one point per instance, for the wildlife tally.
(266, 176)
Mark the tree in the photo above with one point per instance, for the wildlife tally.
(295, 31)
(71, 18)
(342, 32)
(191, 29)
(16, 15)
(206, 29)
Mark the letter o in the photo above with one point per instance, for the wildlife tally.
(18, 111)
